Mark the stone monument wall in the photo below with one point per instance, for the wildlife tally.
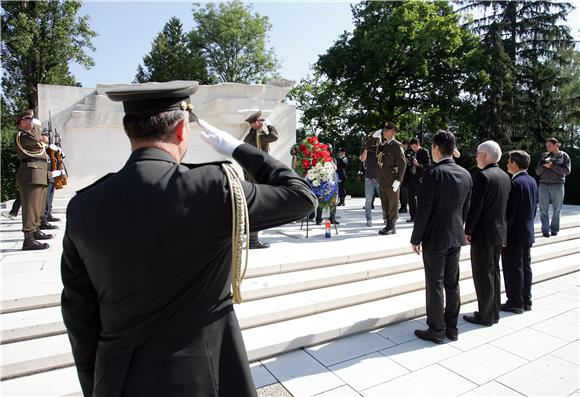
(95, 144)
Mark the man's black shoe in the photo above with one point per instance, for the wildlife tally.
(38, 235)
(451, 335)
(33, 245)
(259, 244)
(402, 210)
(554, 233)
(546, 234)
(319, 222)
(528, 308)
(474, 320)
(335, 222)
(411, 220)
(52, 219)
(426, 335)
(509, 308)
(47, 226)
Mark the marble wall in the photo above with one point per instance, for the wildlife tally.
(95, 144)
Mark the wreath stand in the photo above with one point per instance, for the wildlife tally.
(325, 216)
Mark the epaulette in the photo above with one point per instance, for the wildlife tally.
(106, 176)
(196, 165)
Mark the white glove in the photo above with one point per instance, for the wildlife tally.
(396, 185)
(218, 139)
(267, 122)
(377, 133)
(52, 146)
(36, 122)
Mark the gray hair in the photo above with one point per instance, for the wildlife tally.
(492, 149)
(152, 126)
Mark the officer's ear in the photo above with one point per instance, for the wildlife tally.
(180, 129)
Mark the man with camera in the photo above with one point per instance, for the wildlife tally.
(552, 169)
(418, 160)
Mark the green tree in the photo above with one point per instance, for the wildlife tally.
(524, 43)
(404, 61)
(174, 55)
(39, 38)
(233, 41)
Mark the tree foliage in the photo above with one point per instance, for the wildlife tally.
(39, 38)
(526, 46)
(175, 55)
(404, 61)
(233, 41)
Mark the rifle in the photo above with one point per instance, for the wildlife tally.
(57, 168)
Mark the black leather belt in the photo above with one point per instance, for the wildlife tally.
(33, 161)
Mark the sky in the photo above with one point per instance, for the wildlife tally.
(301, 30)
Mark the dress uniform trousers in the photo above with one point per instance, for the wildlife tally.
(389, 201)
(33, 201)
(487, 281)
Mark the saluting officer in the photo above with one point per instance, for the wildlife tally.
(31, 179)
(261, 138)
(146, 300)
(392, 164)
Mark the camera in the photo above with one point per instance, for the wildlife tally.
(294, 150)
(410, 156)
(547, 159)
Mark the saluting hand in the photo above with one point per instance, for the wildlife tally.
(220, 140)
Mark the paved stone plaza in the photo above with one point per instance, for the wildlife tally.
(300, 351)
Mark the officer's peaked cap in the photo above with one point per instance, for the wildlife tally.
(21, 115)
(151, 98)
(253, 117)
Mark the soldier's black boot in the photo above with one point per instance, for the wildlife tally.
(389, 229)
(44, 225)
(30, 243)
(38, 235)
(385, 230)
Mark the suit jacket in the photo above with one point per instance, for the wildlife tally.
(486, 220)
(147, 252)
(442, 206)
(341, 168)
(521, 210)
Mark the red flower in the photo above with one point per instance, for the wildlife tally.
(305, 164)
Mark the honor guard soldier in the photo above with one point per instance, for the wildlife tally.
(392, 164)
(261, 138)
(31, 179)
(147, 300)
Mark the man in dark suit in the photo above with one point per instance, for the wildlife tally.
(486, 230)
(147, 301)
(441, 211)
(341, 172)
(515, 257)
(418, 161)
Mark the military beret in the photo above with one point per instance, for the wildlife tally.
(151, 98)
(21, 115)
(253, 117)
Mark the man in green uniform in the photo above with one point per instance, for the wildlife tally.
(392, 164)
(147, 300)
(261, 138)
(31, 179)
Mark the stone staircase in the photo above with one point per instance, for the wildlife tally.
(298, 293)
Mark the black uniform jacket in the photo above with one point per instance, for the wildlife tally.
(486, 221)
(146, 272)
(521, 210)
(442, 207)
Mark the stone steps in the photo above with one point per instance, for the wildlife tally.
(283, 296)
(285, 321)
